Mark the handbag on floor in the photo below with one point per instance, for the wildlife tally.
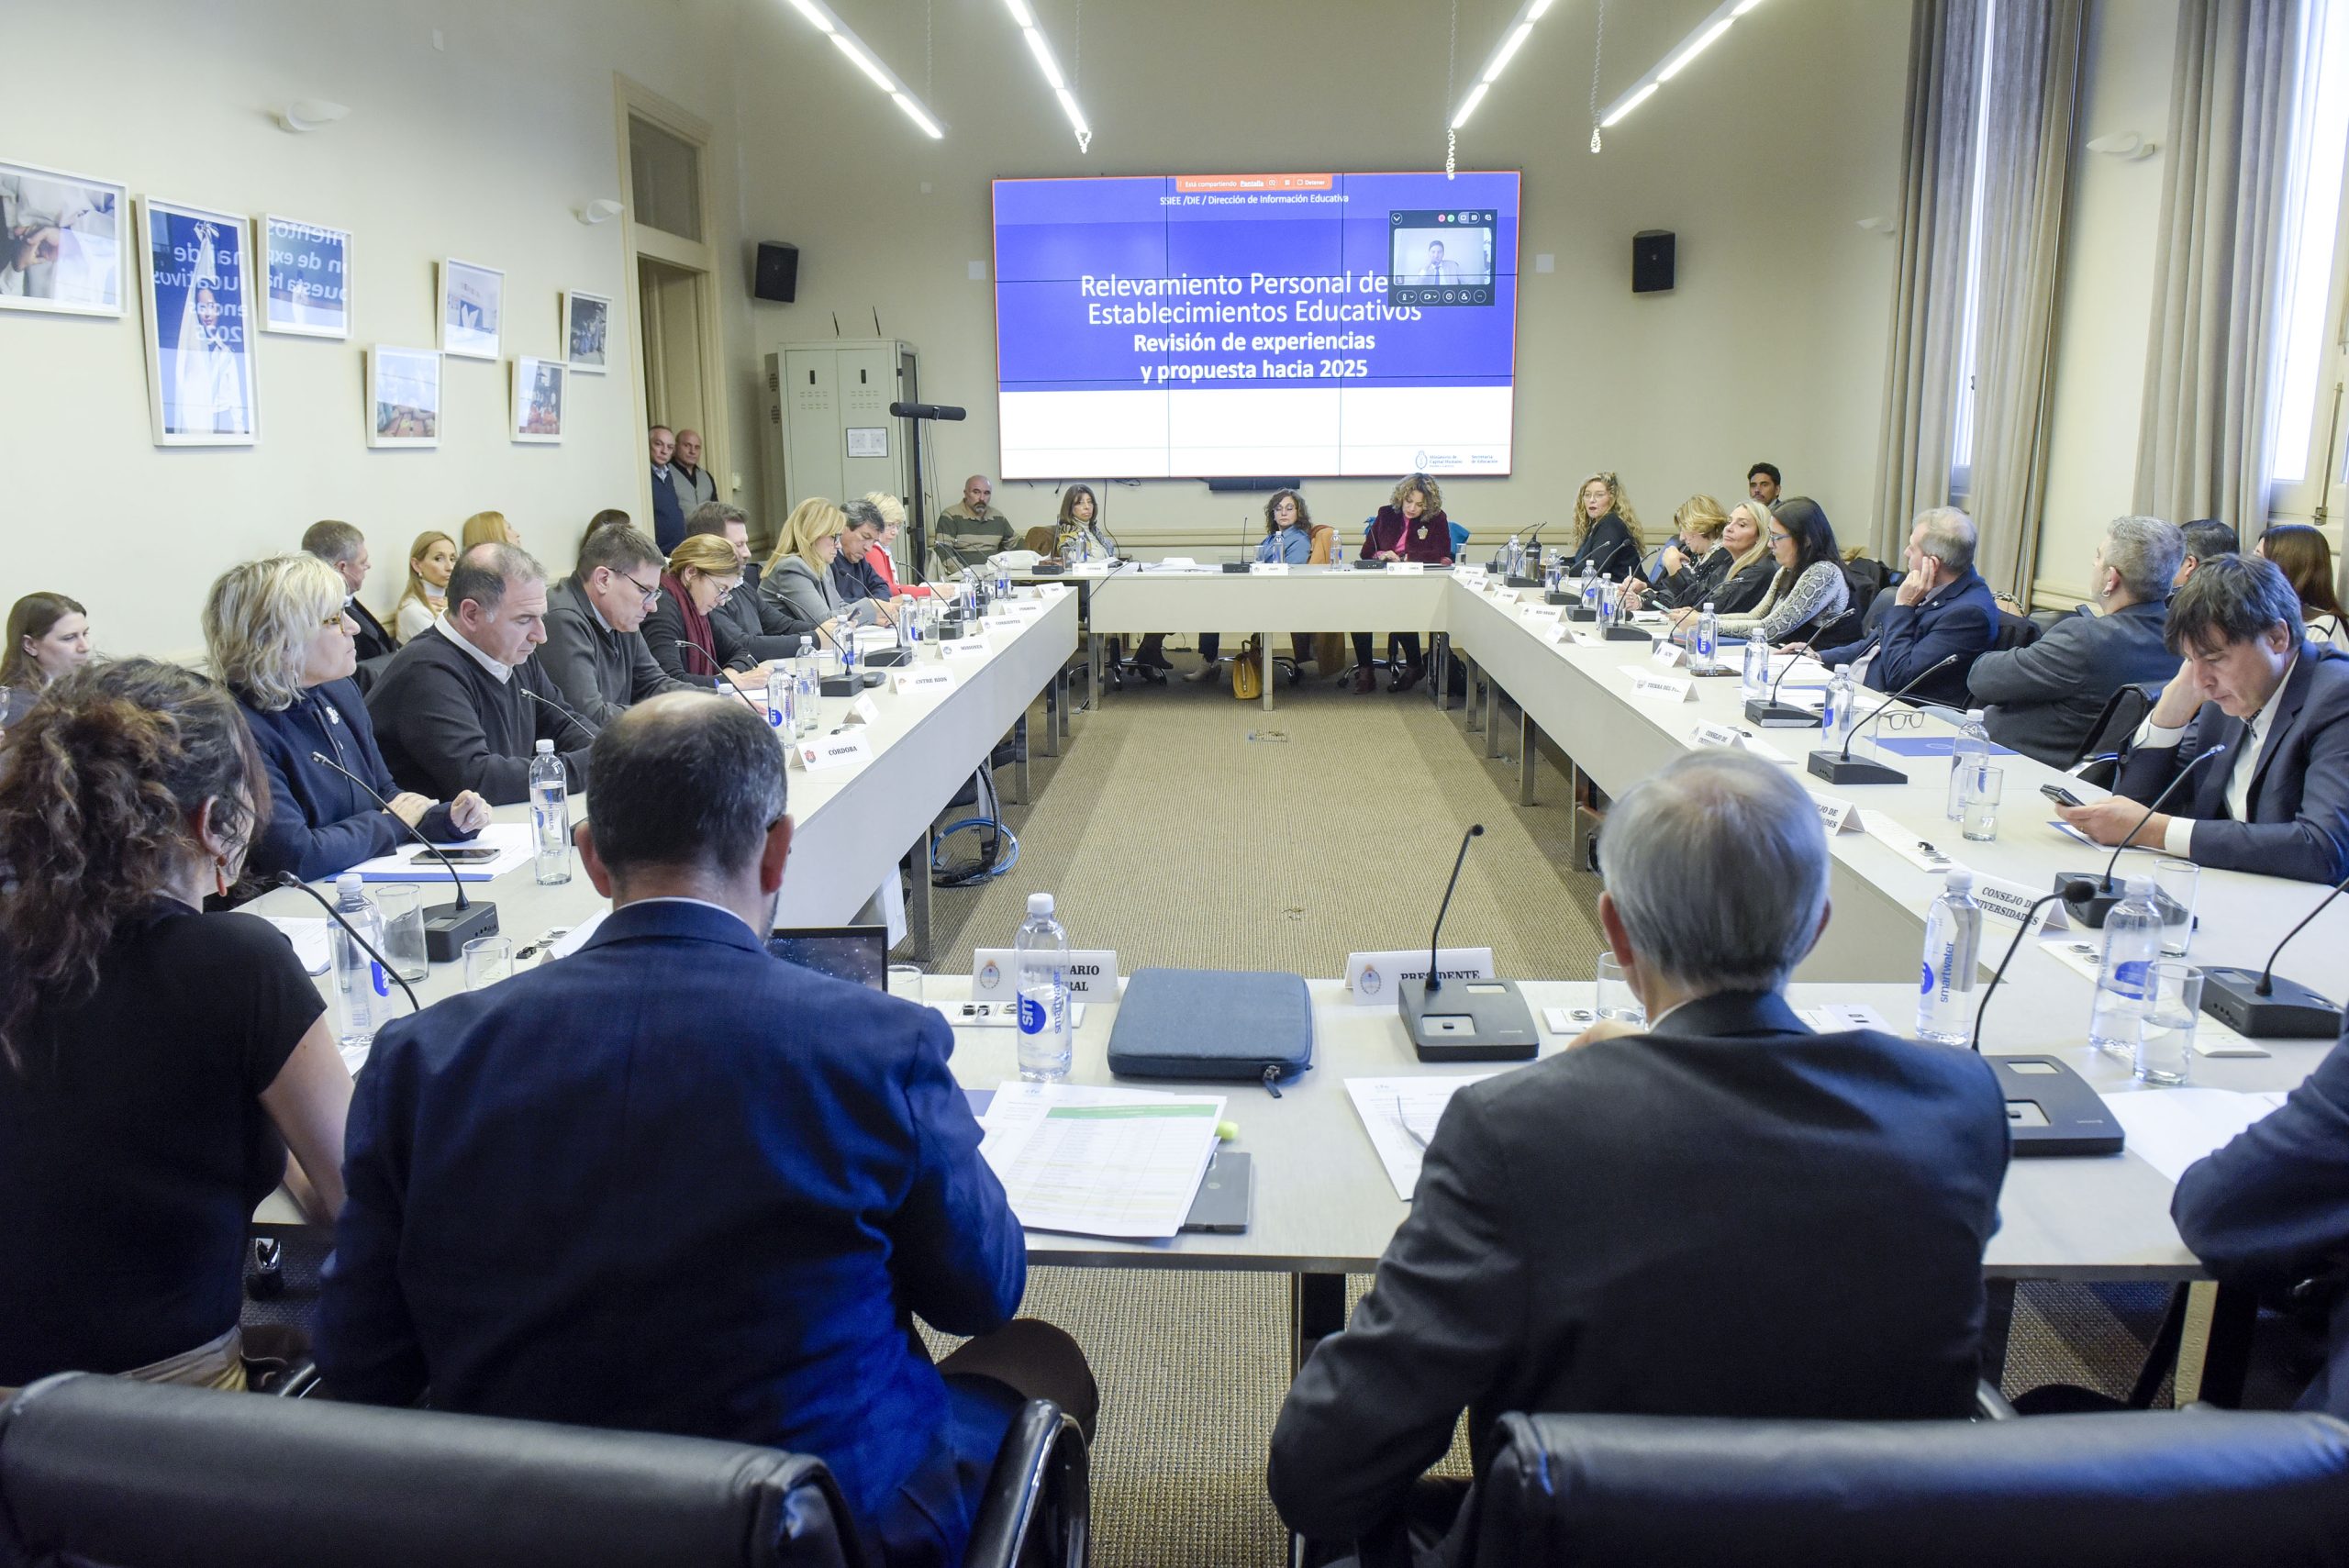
(1248, 671)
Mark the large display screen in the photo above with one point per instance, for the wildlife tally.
(1255, 325)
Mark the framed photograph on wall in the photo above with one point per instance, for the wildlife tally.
(473, 309)
(199, 326)
(60, 242)
(403, 397)
(305, 278)
(586, 323)
(538, 386)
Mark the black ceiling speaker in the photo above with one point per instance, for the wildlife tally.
(1651, 251)
(778, 274)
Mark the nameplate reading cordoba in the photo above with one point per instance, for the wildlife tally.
(822, 753)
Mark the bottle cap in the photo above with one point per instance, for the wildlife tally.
(2143, 884)
(545, 747)
(1957, 879)
(1975, 715)
(1708, 606)
(1040, 904)
(350, 885)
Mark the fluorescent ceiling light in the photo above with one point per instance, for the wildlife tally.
(1509, 46)
(1677, 61)
(1075, 115)
(1022, 15)
(1640, 96)
(1744, 7)
(1044, 61)
(1520, 28)
(1475, 96)
(1534, 12)
(825, 21)
(1704, 40)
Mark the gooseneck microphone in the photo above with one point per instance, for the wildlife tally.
(1770, 714)
(447, 926)
(2083, 885)
(2267, 1007)
(287, 879)
(2090, 911)
(1843, 768)
(723, 684)
(1474, 831)
(576, 718)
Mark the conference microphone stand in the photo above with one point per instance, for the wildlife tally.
(447, 926)
(287, 879)
(723, 684)
(2104, 892)
(2267, 1007)
(1843, 768)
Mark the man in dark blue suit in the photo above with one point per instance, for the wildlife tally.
(1721, 1215)
(2270, 1209)
(1941, 607)
(675, 1185)
(2278, 801)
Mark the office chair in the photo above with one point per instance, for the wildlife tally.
(135, 1475)
(2098, 761)
(2015, 631)
(2132, 1490)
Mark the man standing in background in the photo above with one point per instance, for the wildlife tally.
(692, 482)
(668, 518)
(971, 530)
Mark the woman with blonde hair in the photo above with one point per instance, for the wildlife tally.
(796, 595)
(1751, 567)
(686, 640)
(279, 639)
(1694, 565)
(429, 560)
(487, 528)
(1606, 530)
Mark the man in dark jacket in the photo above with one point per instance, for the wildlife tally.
(1724, 1215)
(595, 652)
(1941, 609)
(577, 1196)
(344, 548)
(463, 705)
(2044, 698)
(852, 573)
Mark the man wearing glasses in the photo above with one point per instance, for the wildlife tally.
(594, 653)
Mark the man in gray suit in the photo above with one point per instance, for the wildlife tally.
(595, 650)
(2043, 699)
(1720, 1214)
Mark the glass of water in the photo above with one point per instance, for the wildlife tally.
(2173, 1006)
(1978, 796)
(402, 904)
(2173, 886)
(1615, 998)
(488, 959)
(906, 981)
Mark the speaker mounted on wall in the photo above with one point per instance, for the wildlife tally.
(777, 277)
(1652, 260)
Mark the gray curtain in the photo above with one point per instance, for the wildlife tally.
(2209, 403)
(2034, 87)
(1929, 291)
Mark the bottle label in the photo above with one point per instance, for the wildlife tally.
(375, 978)
(2129, 976)
(1032, 1016)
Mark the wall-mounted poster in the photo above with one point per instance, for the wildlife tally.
(472, 307)
(199, 326)
(60, 242)
(403, 397)
(306, 272)
(537, 400)
(586, 319)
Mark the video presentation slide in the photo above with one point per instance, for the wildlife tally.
(1235, 326)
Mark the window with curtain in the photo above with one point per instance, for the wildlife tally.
(2311, 361)
(1961, 448)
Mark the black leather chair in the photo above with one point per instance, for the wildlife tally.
(2121, 1491)
(135, 1475)
(2098, 759)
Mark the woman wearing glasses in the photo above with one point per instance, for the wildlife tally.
(1606, 531)
(1807, 589)
(687, 641)
(279, 640)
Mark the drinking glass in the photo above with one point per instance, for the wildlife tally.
(1615, 998)
(488, 959)
(906, 981)
(2173, 886)
(2173, 1003)
(402, 905)
(1978, 797)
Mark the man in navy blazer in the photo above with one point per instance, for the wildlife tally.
(2270, 1208)
(1578, 1223)
(673, 1184)
(2276, 800)
(1941, 609)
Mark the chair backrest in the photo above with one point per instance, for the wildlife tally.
(1459, 535)
(1867, 579)
(2133, 1490)
(134, 1475)
(2015, 631)
(2124, 710)
(1323, 538)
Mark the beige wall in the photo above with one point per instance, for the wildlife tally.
(1762, 156)
(479, 151)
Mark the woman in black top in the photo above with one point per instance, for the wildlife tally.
(1606, 531)
(1747, 580)
(155, 1062)
(1693, 567)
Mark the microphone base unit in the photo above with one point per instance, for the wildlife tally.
(1838, 769)
(2289, 1011)
(1469, 1021)
(889, 658)
(1368, 563)
(1521, 581)
(1234, 568)
(1779, 716)
(849, 685)
(2091, 911)
(448, 928)
(1626, 634)
(1575, 609)
(2052, 1110)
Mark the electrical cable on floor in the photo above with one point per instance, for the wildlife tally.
(991, 863)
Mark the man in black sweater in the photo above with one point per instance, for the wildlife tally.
(463, 705)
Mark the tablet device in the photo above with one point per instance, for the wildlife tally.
(858, 954)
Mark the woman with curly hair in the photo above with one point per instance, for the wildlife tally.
(1606, 531)
(1410, 526)
(155, 1061)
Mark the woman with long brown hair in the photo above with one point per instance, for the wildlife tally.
(2301, 552)
(155, 1061)
(48, 634)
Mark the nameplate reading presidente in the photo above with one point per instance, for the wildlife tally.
(1372, 978)
(1268, 569)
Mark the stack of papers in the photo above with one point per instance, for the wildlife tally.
(2171, 1128)
(1095, 1161)
(1400, 1115)
(308, 935)
(510, 840)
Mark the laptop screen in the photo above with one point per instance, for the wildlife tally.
(859, 954)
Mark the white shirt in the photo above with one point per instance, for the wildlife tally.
(502, 671)
(2178, 838)
(679, 898)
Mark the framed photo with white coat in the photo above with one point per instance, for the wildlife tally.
(199, 325)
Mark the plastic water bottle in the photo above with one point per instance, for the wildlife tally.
(1839, 711)
(809, 676)
(1587, 592)
(363, 992)
(1040, 960)
(781, 689)
(1705, 649)
(1968, 754)
(1608, 609)
(1754, 683)
(1337, 553)
(1516, 558)
(1952, 942)
(2133, 943)
(1002, 581)
(550, 816)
